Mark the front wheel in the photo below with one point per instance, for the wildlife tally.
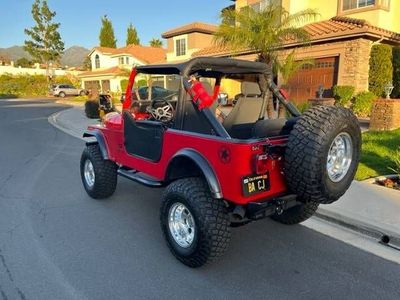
(99, 176)
(195, 225)
(61, 95)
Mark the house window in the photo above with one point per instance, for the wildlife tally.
(127, 60)
(97, 61)
(180, 47)
(121, 60)
(385, 4)
(354, 4)
(260, 6)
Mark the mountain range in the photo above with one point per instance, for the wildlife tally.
(72, 57)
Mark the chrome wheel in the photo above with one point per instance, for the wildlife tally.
(339, 157)
(88, 172)
(181, 225)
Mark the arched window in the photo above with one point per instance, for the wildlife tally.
(97, 61)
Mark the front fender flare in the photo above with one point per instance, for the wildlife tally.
(205, 167)
(98, 135)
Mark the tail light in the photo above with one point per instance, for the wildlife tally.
(261, 163)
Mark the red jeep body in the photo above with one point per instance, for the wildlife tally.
(220, 172)
(225, 162)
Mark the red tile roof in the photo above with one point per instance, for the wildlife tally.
(333, 29)
(189, 28)
(145, 54)
(102, 72)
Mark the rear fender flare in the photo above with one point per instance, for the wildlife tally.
(99, 140)
(204, 167)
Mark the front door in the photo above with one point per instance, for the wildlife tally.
(143, 138)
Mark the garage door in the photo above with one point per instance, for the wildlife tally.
(305, 83)
(93, 86)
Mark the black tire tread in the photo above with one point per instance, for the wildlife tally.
(304, 153)
(212, 220)
(297, 214)
(105, 173)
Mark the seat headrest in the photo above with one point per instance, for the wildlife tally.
(250, 88)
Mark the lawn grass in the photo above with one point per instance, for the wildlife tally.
(378, 152)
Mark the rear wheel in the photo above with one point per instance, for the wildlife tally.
(195, 225)
(296, 214)
(82, 93)
(99, 176)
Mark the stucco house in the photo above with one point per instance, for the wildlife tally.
(110, 66)
(341, 42)
(185, 40)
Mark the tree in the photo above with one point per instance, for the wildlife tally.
(23, 62)
(45, 44)
(132, 36)
(396, 72)
(107, 37)
(264, 31)
(87, 64)
(380, 68)
(154, 42)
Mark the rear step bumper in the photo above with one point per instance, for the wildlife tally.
(139, 177)
(259, 210)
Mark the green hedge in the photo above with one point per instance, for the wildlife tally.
(343, 94)
(396, 72)
(380, 68)
(30, 85)
(362, 104)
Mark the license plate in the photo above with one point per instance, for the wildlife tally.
(255, 184)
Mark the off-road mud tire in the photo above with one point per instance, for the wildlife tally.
(307, 151)
(296, 214)
(105, 172)
(212, 232)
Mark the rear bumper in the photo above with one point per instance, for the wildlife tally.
(259, 210)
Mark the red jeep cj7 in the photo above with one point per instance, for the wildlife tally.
(220, 170)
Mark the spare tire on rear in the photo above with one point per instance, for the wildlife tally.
(322, 154)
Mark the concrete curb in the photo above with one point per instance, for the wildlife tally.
(53, 120)
(384, 236)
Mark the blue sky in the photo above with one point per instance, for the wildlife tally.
(81, 20)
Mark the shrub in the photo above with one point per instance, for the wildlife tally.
(396, 72)
(362, 104)
(92, 109)
(124, 85)
(343, 94)
(303, 106)
(142, 82)
(396, 160)
(380, 68)
(23, 85)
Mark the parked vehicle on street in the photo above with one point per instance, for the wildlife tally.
(64, 90)
(221, 172)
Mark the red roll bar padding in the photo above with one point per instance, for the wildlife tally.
(284, 93)
(199, 94)
(128, 93)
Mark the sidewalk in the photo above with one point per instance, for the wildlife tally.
(367, 208)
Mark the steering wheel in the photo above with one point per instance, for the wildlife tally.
(161, 110)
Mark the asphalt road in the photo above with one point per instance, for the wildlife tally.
(57, 243)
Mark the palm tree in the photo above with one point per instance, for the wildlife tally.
(290, 66)
(156, 43)
(264, 31)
